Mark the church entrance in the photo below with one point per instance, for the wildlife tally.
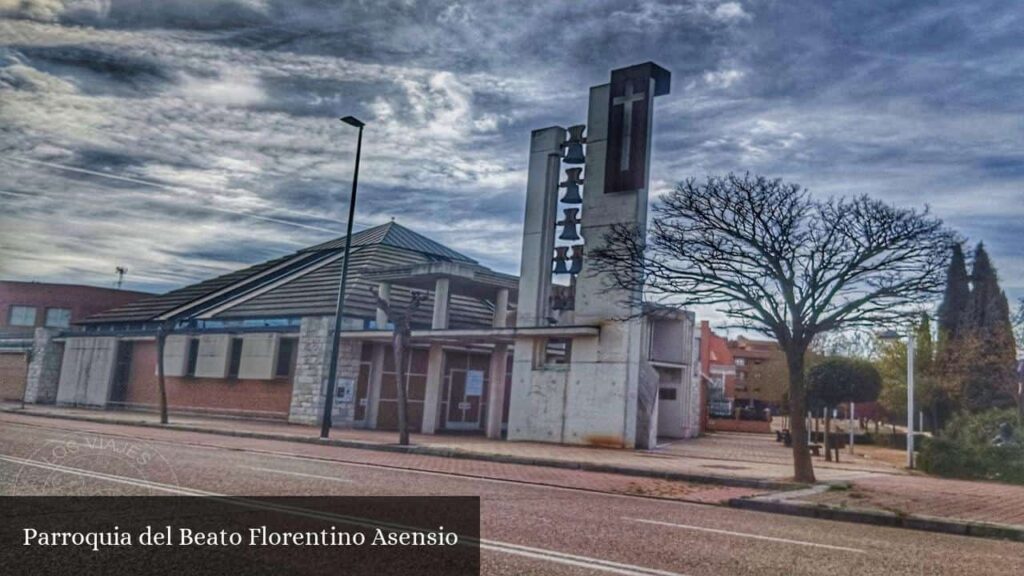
(465, 387)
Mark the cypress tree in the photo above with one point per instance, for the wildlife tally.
(923, 351)
(989, 376)
(956, 296)
(954, 348)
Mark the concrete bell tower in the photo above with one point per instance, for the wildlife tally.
(568, 385)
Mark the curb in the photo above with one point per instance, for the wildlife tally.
(776, 505)
(440, 452)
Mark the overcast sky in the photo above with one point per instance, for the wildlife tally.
(186, 138)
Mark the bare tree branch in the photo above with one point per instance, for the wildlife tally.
(780, 262)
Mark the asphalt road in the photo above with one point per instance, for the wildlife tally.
(527, 528)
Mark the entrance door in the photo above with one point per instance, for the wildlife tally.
(362, 392)
(465, 398)
(122, 373)
(670, 402)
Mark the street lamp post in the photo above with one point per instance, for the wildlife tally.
(332, 374)
(911, 345)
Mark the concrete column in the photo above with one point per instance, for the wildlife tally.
(544, 172)
(501, 308)
(496, 390)
(44, 368)
(432, 396)
(384, 293)
(440, 321)
(376, 376)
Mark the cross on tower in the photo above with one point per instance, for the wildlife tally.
(627, 100)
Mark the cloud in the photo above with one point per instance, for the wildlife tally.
(730, 11)
(210, 132)
(44, 10)
(231, 88)
(723, 78)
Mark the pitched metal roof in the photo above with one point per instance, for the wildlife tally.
(149, 308)
(394, 234)
(311, 293)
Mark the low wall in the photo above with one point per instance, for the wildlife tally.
(731, 425)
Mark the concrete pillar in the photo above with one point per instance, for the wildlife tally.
(496, 390)
(376, 376)
(544, 172)
(501, 308)
(440, 321)
(432, 396)
(44, 368)
(384, 293)
(435, 362)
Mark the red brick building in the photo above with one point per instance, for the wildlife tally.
(718, 373)
(25, 306)
(760, 376)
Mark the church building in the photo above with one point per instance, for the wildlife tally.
(557, 354)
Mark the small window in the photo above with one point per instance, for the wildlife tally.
(554, 352)
(285, 357)
(236, 357)
(22, 316)
(193, 356)
(58, 317)
(666, 393)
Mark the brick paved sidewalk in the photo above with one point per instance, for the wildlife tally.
(875, 485)
(739, 458)
(701, 493)
(919, 495)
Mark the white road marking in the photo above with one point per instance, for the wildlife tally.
(300, 474)
(745, 535)
(507, 548)
(337, 462)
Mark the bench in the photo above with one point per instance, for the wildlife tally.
(785, 438)
(815, 449)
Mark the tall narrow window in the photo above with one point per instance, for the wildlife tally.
(193, 356)
(236, 357)
(285, 357)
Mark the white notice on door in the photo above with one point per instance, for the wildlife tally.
(475, 383)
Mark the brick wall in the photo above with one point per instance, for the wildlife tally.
(731, 425)
(83, 301)
(13, 372)
(244, 397)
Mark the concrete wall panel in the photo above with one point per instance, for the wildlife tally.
(87, 371)
(175, 355)
(214, 351)
(259, 355)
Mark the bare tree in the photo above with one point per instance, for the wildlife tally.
(161, 340)
(782, 264)
(400, 343)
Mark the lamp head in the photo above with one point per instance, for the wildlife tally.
(888, 335)
(353, 121)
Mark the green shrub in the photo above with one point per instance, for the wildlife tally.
(965, 450)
